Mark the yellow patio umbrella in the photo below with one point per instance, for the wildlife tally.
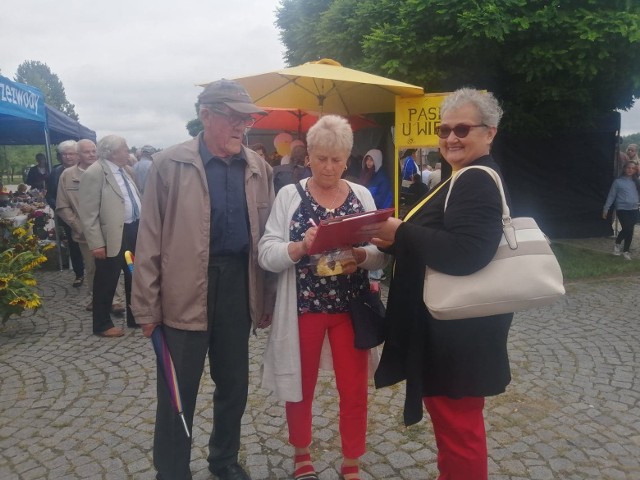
(328, 87)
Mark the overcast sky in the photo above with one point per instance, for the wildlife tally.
(131, 66)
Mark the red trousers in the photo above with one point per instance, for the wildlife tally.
(351, 369)
(458, 425)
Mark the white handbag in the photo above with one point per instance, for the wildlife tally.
(523, 274)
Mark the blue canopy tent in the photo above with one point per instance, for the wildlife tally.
(25, 119)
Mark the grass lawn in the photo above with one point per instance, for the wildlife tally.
(581, 263)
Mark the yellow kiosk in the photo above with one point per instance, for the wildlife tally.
(416, 119)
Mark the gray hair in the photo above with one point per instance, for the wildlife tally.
(109, 144)
(85, 140)
(332, 132)
(67, 145)
(486, 104)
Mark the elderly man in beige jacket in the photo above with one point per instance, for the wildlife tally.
(67, 209)
(205, 206)
(109, 210)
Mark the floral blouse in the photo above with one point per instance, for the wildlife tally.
(324, 294)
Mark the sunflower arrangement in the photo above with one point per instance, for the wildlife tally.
(20, 254)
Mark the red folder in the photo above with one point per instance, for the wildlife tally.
(345, 231)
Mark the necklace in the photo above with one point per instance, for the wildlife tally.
(330, 211)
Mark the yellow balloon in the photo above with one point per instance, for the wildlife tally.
(283, 149)
(283, 137)
(282, 142)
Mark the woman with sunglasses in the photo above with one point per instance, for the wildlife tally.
(449, 366)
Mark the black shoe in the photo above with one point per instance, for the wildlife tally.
(231, 472)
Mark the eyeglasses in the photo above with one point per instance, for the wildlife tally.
(68, 154)
(235, 120)
(459, 131)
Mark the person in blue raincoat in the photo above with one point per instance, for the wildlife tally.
(375, 179)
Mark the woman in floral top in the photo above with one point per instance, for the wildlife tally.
(312, 310)
(324, 294)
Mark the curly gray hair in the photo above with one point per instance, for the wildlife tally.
(67, 145)
(486, 104)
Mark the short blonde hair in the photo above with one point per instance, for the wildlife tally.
(331, 132)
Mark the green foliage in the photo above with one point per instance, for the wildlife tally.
(634, 138)
(553, 63)
(14, 158)
(194, 127)
(297, 20)
(39, 75)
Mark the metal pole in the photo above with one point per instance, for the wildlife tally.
(55, 219)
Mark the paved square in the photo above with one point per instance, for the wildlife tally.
(76, 406)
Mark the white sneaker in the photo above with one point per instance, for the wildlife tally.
(626, 255)
(616, 250)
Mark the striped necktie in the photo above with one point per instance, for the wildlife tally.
(132, 198)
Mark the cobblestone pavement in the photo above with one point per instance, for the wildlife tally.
(75, 406)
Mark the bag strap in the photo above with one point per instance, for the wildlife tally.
(507, 227)
(307, 203)
(431, 193)
(506, 213)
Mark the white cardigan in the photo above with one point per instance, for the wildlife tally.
(281, 371)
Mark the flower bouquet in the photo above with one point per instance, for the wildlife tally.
(20, 254)
(40, 220)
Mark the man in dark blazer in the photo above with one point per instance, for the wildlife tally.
(109, 209)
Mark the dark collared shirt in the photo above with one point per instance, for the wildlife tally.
(229, 228)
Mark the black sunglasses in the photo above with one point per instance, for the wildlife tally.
(459, 131)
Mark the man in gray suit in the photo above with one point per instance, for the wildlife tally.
(109, 209)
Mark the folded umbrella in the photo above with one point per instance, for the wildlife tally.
(165, 362)
(167, 369)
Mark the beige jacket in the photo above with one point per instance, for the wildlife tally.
(170, 277)
(67, 201)
(101, 208)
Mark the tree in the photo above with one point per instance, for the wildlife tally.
(554, 64)
(39, 75)
(625, 141)
(194, 126)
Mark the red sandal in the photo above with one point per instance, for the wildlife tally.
(303, 468)
(350, 472)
